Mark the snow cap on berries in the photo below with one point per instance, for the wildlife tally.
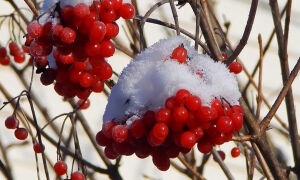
(153, 77)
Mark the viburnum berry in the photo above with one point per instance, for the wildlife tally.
(5, 61)
(101, 139)
(86, 80)
(35, 29)
(188, 139)
(38, 148)
(48, 76)
(60, 168)
(96, 6)
(108, 16)
(193, 103)
(40, 47)
(235, 67)
(149, 119)
(224, 124)
(237, 121)
(21, 133)
(67, 13)
(180, 114)
(158, 134)
(112, 30)
(3, 52)
(179, 54)
(171, 103)
(68, 35)
(161, 162)
(119, 133)
(137, 129)
(81, 10)
(77, 176)
(98, 85)
(103, 71)
(126, 11)
(92, 49)
(11, 122)
(19, 57)
(221, 154)
(83, 104)
(110, 153)
(13, 48)
(97, 31)
(107, 48)
(235, 152)
(204, 146)
(237, 109)
(108, 4)
(206, 114)
(163, 115)
(198, 133)
(182, 95)
(107, 128)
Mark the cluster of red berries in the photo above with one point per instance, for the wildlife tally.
(79, 44)
(13, 123)
(174, 128)
(60, 168)
(15, 51)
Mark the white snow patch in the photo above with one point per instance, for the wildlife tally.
(153, 77)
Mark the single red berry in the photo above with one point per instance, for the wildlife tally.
(149, 119)
(163, 115)
(38, 148)
(179, 54)
(188, 139)
(182, 95)
(103, 71)
(92, 49)
(206, 114)
(107, 49)
(21, 133)
(108, 16)
(60, 168)
(77, 176)
(221, 154)
(180, 114)
(158, 134)
(3, 52)
(171, 103)
(83, 104)
(161, 162)
(204, 146)
(5, 61)
(81, 10)
(13, 48)
(101, 139)
(97, 31)
(237, 121)
(112, 30)
(198, 133)
(110, 153)
(86, 80)
(193, 103)
(119, 133)
(98, 85)
(68, 35)
(11, 122)
(19, 57)
(235, 152)
(67, 13)
(35, 29)
(126, 11)
(137, 129)
(108, 4)
(224, 124)
(227, 111)
(235, 67)
(40, 47)
(237, 109)
(217, 105)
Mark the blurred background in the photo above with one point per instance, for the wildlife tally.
(235, 12)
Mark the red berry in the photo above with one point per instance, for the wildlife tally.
(198, 133)
(237, 121)
(107, 128)
(81, 10)
(126, 11)
(206, 114)
(112, 30)
(86, 80)
(137, 129)
(235, 152)
(161, 162)
(60, 168)
(98, 85)
(204, 146)
(97, 31)
(227, 111)
(3, 52)
(92, 49)
(179, 54)
(237, 109)
(40, 47)
(180, 114)
(68, 35)
(193, 103)
(188, 139)
(149, 119)
(119, 133)
(108, 4)
(110, 153)
(11, 122)
(13, 48)
(38, 148)
(217, 105)
(96, 6)
(158, 134)
(163, 115)
(221, 154)
(35, 29)
(182, 95)
(101, 139)
(108, 16)
(21, 133)
(107, 49)
(19, 57)
(171, 103)
(224, 124)
(77, 176)
(83, 104)
(103, 71)
(5, 61)
(235, 67)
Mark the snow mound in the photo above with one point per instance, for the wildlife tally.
(153, 77)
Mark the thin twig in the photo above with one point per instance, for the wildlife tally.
(175, 16)
(222, 165)
(259, 97)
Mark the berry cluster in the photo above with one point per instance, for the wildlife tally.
(15, 51)
(79, 44)
(13, 123)
(174, 128)
(60, 168)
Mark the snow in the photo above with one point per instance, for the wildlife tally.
(152, 77)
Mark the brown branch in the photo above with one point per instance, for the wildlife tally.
(175, 16)
(17, 9)
(189, 167)
(246, 33)
(32, 7)
(262, 161)
(222, 165)
(259, 97)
